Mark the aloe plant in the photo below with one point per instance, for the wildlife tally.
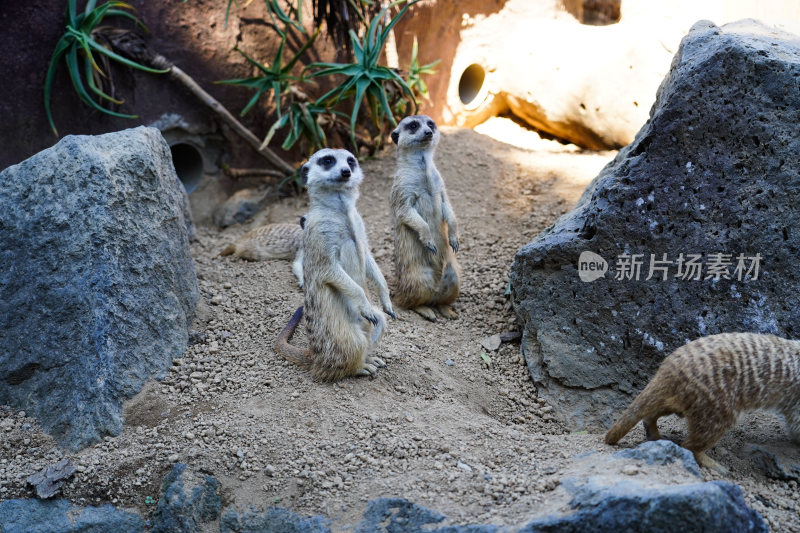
(79, 48)
(275, 78)
(303, 119)
(415, 72)
(364, 78)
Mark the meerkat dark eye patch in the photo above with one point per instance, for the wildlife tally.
(304, 173)
(431, 125)
(395, 136)
(351, 161)
(412, 126)
(327, 162)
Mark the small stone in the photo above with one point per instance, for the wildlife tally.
(173, 458)
(449, 362)
(630, 470)
(269, 470)
(464, 466)
(491, 343)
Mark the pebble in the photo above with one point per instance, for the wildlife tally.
(491, 343)
(630, 470)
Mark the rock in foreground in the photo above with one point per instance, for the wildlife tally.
(97, 286)
(690, 231)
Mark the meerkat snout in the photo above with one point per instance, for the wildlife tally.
(345, 174)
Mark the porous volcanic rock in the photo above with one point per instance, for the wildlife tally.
(713, 171)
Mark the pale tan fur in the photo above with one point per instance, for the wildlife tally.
(343, 326)
(273, 241)
(711, 381)
(425, 230)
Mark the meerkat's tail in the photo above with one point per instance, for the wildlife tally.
(645, 404)
(287, 351)
(228, 250)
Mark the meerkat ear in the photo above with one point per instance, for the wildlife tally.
(395, 136)
(304, 173)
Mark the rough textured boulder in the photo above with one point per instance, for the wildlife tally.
(631, 506)
(713, 171)
(97, 286)
(26, 516)
(593, 495)
(661, 452)
(188, 501)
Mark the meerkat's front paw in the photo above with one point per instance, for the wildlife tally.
(368, 313)
(431, 247)
(454, 243)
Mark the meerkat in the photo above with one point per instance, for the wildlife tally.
(711, 381)
(343, 326)
(273, 241)
(425, 230)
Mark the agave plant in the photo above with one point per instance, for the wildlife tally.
(81, 51)
(364, 78)
(275, 78)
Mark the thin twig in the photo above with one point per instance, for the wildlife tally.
(160, 61)
(237, 173)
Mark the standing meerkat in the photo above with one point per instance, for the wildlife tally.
(273, 241)
(425, 231)
(343, 326)
(711, 381)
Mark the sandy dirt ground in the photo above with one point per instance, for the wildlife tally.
(440, 425)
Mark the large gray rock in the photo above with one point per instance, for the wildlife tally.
(630, 506)
(714, 170)
(97, 286)
(188, 501)
(28, 516)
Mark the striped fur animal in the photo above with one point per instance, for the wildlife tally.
(711, 381)
(273, 241)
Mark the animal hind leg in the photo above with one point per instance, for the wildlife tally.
(371, 362)
(651, 428)
(425, 312)
(446, 311)
(297, 267)
(793, 424)
(704, 434)
(449, 284)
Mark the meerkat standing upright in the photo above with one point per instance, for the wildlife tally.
(343, 326)
(425, 232)
(712, 380)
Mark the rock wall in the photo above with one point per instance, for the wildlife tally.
(97, 286)
(710, 182)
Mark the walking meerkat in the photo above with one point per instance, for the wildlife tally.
(343, 326)
(273, 241)
(425, 231)
(711, 381)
